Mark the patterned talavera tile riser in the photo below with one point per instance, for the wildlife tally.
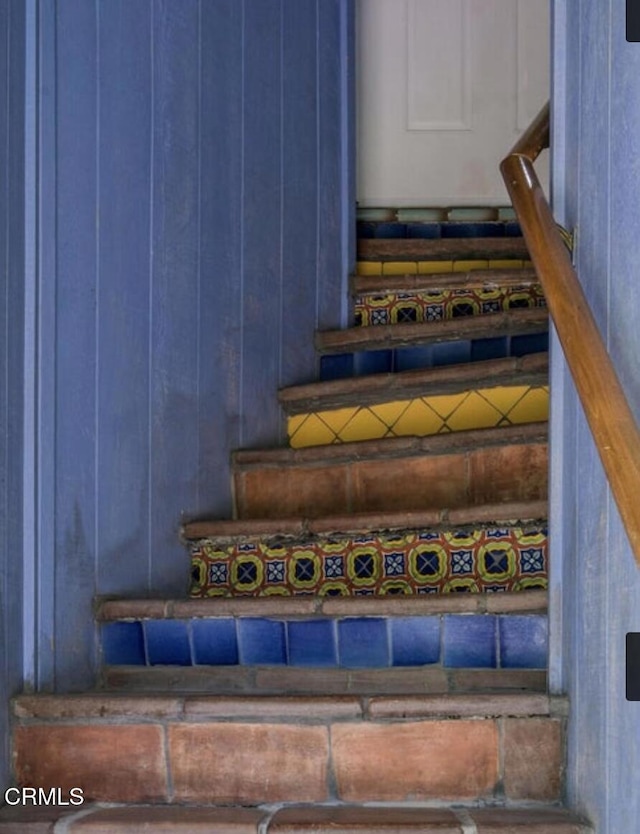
(450, 641)
(437, 305)
(414, 562)
(472, 409)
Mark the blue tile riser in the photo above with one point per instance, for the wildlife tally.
(505, 641)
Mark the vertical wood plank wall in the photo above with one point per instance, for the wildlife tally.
(12, 275)
(596, 582)
(199, 240)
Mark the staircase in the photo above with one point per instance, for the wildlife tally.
(364, 647)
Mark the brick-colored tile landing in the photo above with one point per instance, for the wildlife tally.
(533, 758)
(112, 763)
(343, 820)
(392, 762)
(174, 819)
(248, 763)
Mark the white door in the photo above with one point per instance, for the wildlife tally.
(445, 87)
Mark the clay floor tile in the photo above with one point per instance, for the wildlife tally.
(97, 705)
(533, 758)
(524, 821)
(310, 491)
(222, 679)
(31, 819)
(509, 473)
(410, 483)
(176, 819)
(248, 763)
(115, 763)
(518, 601)
(258, 707)
(345, 819)
(415, 761)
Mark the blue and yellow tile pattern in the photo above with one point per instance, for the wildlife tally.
(506, 558)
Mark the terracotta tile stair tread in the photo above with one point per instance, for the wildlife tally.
(441, 249)
(472, 279)
(388, 387)
(269, 680)
(309, 819)
(388, 448)
(386, 336)
(100, 706)
(390, 605)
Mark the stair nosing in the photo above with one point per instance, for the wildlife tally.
(441, 249)
(392, 447)
(363, 285)
(519, 321)
(230, 529)
(521, 602)
(388, 387)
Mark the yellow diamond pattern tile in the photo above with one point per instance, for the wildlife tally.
(336, 420)
(312, 432)
(363, 426)
(533, 406)
(446, 404)
(483, 408)
(390, 413)
(419, 419)
(505, 397)
(473, 413)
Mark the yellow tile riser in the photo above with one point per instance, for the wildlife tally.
(423, 416)
(434, 267)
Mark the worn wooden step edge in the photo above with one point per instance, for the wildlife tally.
(484, 279)
(389, 387)
(441, 249)
(274, 680)
(367, 522)
(520, 321)
(289, 819)
(517, 602)
(392, 447)
(98, 705)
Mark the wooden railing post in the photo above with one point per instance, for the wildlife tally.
(605, 405)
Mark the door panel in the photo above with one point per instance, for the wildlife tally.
(445, 87)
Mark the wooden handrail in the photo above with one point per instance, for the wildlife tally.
(605, 406)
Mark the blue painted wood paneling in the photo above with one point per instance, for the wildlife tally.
(599, 117)
(197, 232)
(12, 294)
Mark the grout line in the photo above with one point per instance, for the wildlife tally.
(269, 812)
(467, 823)
(62, 826)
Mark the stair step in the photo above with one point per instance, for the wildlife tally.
(434, 227)
(485, 279)
(419, 402)
(461, 469)
(531, 370)
(443, 249)
(389, 336)
(198, 748)
(313, 819)
(507, 631)
(424, 560)
(273, 680)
